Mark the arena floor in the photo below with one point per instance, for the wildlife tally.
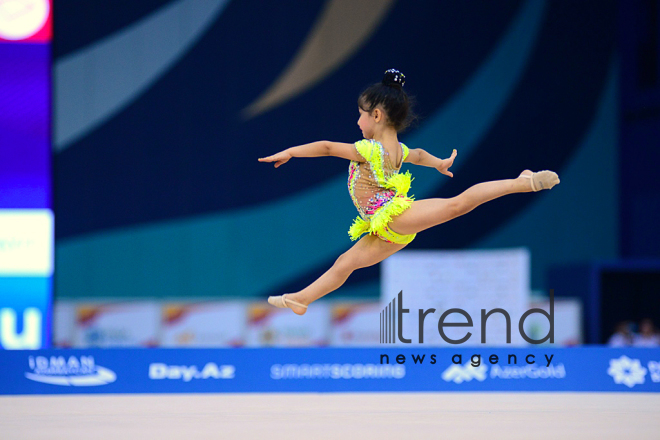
(329, 416)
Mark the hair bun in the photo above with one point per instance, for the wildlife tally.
(392, 77)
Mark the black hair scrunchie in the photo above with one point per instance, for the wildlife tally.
(394, 77)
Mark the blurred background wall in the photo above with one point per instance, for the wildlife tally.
(162, 107)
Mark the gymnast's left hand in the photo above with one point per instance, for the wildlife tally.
(280, 158)
(446, 163)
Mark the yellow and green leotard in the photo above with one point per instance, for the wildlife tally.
(379, 192)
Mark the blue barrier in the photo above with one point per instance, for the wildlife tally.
(329, 370)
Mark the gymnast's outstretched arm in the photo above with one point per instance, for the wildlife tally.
(417, 156)
(315, 149)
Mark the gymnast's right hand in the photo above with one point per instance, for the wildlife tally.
(280, 158)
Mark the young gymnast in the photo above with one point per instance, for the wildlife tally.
(380, 192)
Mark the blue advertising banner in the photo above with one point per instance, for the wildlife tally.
(328, 370)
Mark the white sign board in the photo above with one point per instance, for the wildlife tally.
(469, 280)
(567, 319)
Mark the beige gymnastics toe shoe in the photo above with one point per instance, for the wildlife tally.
(283, 303)
(542, 180)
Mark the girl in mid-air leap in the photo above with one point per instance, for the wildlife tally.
(380, 192)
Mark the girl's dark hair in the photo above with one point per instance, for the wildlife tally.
(390, 95)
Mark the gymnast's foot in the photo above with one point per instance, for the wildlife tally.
(283, 302)
(539, 181)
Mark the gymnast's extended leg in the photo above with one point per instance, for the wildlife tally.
(424, 214)
(369, 250)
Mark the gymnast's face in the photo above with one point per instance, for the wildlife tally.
(368, 122)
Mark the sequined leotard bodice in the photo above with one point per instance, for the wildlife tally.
(367, 180)
(377, 189)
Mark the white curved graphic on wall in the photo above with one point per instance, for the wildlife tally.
(95, 83)
(342, 28)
